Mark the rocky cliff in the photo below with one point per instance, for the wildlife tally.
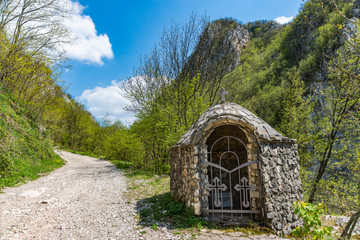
(219, 49)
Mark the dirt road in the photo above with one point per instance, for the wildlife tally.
(82, 200)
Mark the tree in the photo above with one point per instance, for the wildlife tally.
(165, 65)
(350, 34)
(165, 95)
(339, 101)
(298, 122)
(119, 143)
(326, 127)
(35, 26)
(332, 127)
(31, 36)
(162, 126)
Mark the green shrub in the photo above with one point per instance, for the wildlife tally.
(312, 225)
(25, 151)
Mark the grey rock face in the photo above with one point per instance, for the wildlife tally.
(219, 48)
(356, 9)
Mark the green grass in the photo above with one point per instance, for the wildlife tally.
(27, 170)
(25, 151)
(164, 210)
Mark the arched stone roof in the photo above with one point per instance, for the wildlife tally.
(231, 113)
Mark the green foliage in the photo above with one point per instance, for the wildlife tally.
(312, 225)
(262, 32)
(120, 143)
(168, 117)
(271, 57)
(258, 82)
(25, 150)
(298, 123)
(30, 78)
(325, 122)
(164, 208)
(29, 73)
(154, 227)
(339, 125)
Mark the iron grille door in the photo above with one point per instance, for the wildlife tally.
(229, 186)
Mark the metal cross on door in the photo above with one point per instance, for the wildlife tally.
(216, 187)
(244, 188)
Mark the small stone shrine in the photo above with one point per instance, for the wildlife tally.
(233, 168)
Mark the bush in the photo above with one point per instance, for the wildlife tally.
(312, 225)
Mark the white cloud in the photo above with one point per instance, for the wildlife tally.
(107, 102)
(283, 20)
(89, 46)
(83, 43)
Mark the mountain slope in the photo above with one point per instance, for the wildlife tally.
(270, 61)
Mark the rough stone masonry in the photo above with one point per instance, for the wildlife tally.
(231, 166)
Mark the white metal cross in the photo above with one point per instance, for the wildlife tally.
(223, 93)
(244, 188)
(216, 187)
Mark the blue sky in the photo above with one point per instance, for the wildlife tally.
(112, 34)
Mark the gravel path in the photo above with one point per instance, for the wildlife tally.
(82, 200)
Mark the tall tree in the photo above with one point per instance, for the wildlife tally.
(35, 26)
(31, 37)
(329, 140)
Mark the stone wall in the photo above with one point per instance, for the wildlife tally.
(281, 184)
(185, 176)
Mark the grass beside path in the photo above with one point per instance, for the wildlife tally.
(26, 150)
(151, 195)
(27, 170)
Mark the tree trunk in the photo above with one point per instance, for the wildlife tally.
(350, 226)
(323, 164)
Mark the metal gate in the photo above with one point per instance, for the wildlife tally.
(229, 185)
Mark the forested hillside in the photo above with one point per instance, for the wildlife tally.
(25, 147)
(276, 54)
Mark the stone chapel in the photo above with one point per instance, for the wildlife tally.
(233, 168)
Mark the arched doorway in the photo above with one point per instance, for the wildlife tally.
(233, 178)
